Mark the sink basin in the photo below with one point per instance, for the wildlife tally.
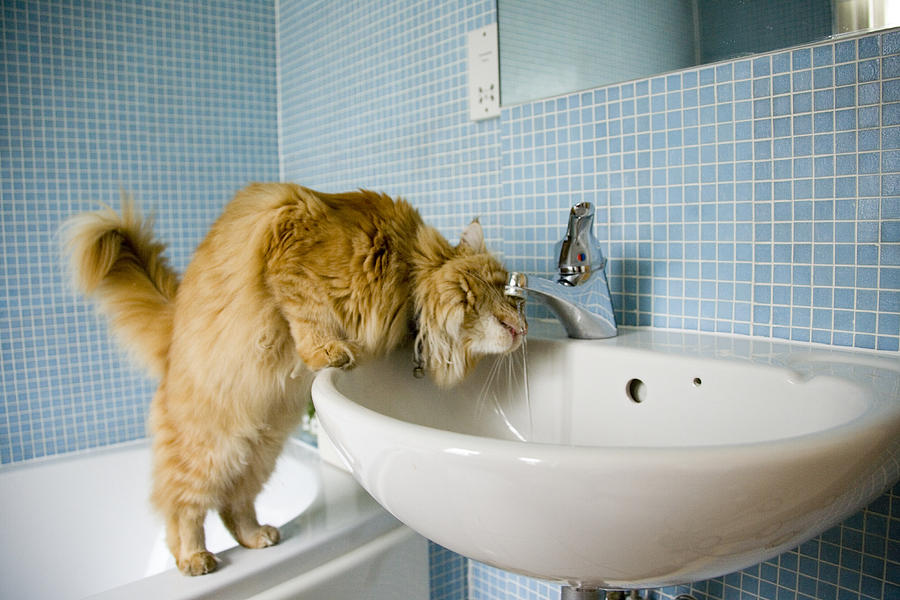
(649, 459)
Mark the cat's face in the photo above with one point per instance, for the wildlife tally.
(490, 322)
(467, 315)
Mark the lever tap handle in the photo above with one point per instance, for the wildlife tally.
(579, 251)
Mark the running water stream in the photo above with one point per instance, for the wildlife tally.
(505, 386)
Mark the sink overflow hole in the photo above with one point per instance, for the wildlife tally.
(636, 390)
(697, 382)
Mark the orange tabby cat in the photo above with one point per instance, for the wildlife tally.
(288, 281)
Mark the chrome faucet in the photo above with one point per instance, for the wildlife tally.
(580, 296)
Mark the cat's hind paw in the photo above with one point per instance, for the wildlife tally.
(263, 537)
(199, 563)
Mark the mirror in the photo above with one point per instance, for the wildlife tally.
(553, 47)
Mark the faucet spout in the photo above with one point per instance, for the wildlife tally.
(580, 297)
(585, 311)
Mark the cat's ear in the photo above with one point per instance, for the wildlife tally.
(472, 237)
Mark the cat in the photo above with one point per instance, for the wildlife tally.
(288, 281)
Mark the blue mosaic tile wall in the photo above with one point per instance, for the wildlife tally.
(757, 196)
(174, 101)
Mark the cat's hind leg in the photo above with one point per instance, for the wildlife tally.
(181, 496)
(237, 507)
(240, 519)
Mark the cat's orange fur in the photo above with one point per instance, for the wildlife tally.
(287, 281)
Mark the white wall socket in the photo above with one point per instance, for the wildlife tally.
(484, 73)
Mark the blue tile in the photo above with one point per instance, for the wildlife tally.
(867, 70)
(890, 185)
(845, 74)
(762, 66)
(762, 128)
(867, 209)
(868, 163)
(869, 46)
(803, 167)
(781, 105)
(688, 80)
(869, 93)
(890, 161)
(823, 100)
(801, 81)
(869, 186)
(802, 102)
(823, 55)
(845, 120)
(890, 137)
(781, 84)
(801, 59)
(891, 91)
(724, 72)
(890, 231)
(846, 141)
(823, 143)
(781, 63)
(890, 43)
(845, 51)
(823, 77)
(890, 208)
(890, 278)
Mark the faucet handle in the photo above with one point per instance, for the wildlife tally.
(579, 251)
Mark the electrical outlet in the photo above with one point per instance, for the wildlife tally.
(484, 74)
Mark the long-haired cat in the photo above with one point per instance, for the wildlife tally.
(288, 281)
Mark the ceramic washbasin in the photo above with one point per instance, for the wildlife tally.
(649, 459)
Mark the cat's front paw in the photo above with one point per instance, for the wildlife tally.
(340, 355)
(333, 353)
(199, 563)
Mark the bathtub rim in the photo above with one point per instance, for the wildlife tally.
(341, 518)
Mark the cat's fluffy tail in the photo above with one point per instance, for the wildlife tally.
(116, 260)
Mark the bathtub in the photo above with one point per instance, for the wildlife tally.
(80, 526)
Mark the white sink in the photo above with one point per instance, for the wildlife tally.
(739, 450)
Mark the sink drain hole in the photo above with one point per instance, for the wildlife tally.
(636, 390)
(697, 382)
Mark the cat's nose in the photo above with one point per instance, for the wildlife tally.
(515, 329)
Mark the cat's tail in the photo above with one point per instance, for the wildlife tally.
(116, 260)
